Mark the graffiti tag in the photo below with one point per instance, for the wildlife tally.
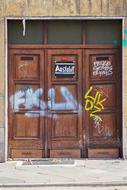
(101, 68)
(29, 98)
(95, 105)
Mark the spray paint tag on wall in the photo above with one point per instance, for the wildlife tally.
(64, 69)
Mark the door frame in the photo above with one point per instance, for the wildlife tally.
(59, 18)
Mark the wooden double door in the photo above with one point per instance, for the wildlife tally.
(49, 112)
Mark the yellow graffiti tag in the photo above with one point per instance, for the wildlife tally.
(94, 104)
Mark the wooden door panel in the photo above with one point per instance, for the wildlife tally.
(26, 125)
(102, 66)
(64, 102)
(103, 129)
(103, 153)
(28, 153)
(107, 91)
(64, 126)
(65, 153)
(103, 101)
(26, 66)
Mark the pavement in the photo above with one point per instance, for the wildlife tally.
(56, 175)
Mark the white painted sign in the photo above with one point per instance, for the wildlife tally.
(64, 68)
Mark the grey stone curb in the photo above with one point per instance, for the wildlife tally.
(101, 184)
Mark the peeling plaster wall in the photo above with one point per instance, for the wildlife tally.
(20, 8)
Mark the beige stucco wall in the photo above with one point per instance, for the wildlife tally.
(64, 7)
(17, 8)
